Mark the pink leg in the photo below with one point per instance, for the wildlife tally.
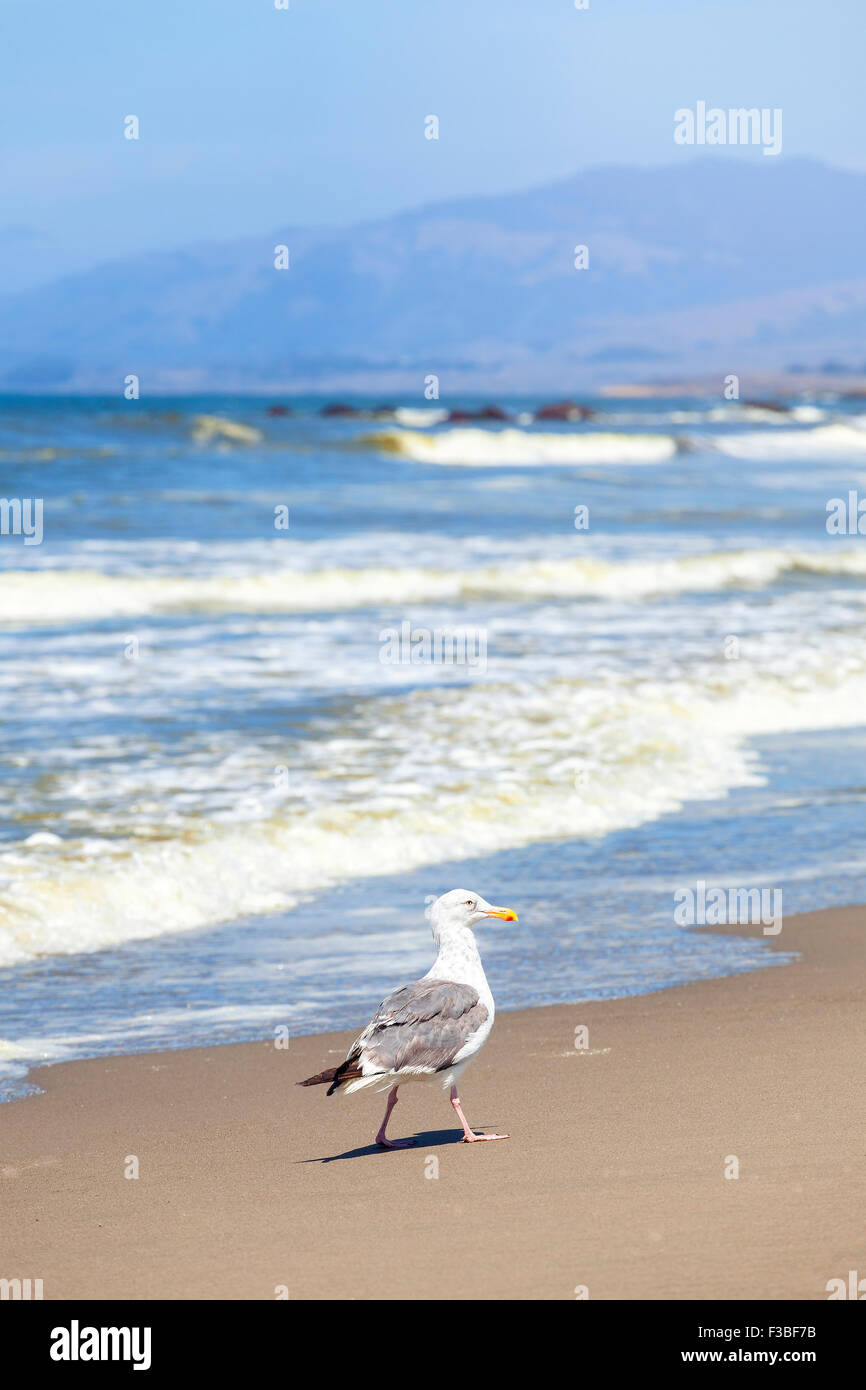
(468, 1136)
(380, 1137)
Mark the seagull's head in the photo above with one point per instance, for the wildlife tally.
(461, 909)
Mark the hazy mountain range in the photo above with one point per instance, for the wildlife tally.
(716, 264)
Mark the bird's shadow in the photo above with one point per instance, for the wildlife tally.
(426, 1140)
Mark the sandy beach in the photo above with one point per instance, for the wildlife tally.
(613, 1178)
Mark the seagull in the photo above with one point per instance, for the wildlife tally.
(433, 1027)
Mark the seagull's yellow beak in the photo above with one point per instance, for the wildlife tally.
(506, 913)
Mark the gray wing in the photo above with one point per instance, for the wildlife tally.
(422, 1025)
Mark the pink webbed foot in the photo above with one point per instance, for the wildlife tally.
(469, 1136)
(394, 1143)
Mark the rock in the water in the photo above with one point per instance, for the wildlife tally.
(564, 410)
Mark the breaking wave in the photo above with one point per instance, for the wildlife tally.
(825, 441)
(514, 447)
(491, 448)
(47, 596)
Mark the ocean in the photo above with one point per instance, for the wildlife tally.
(272, 681)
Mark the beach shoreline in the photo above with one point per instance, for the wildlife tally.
(617, 1178)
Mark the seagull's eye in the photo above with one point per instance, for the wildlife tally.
(469, 903)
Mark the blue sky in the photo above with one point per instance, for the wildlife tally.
(254, 119)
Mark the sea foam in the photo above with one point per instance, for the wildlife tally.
(48, 596)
